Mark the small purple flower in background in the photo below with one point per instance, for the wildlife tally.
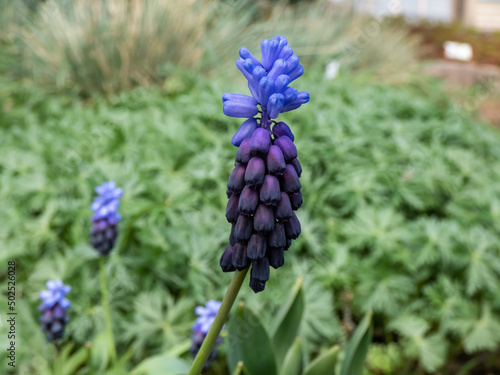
(53, 315)
(201, 327)
(264, 187)
(105, 206)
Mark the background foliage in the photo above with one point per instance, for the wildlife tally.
(402, 201)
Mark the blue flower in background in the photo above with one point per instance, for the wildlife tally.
(264, 188)
(105, 206)
(53, 314)
(268, 82)
(206, 316)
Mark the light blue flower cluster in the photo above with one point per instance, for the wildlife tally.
(105, 205)
(53, 314)
(55, 294)
(268, 83)
(206, 316)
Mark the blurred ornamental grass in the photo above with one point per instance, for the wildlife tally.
(111, 45)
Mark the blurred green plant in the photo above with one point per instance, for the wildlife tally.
(401, 212)
(110, 45)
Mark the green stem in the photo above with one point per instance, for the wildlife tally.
(220, 319)
(105, 306)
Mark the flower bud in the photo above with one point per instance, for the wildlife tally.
(260, 269)
(232, 238)
(264, 219)
(296, 200)
(249, 199)
(292, 227)
(243, 154)
(245, 131)
(277, 237)
(276, 258)
(280, 129)
(255, 172)
(284, 208)
(270, 193)
(240, 260)
(232, 211)
(236, 181)
(275, 161)
(296, 164)
(287, 147)
(260, 142)
(243, 229)
(257, 285)
(257, 246)
(226, 260)
(290, 181)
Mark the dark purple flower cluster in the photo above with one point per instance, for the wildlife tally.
(53, 314)
(106, 217)
(264, 187)
(201, 327)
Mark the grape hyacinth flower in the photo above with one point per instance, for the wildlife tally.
(53, 310)
(264, 187)
(106, 217)
(202, 325)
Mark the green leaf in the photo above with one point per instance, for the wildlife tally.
(71, 364)
(324, 364)
(357, 349)
(288, 322)
(292, 365)
(161, 365)
(249, 343)
(99, 353)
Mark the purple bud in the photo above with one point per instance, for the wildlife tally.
(296, 72)
(275, 160)
(255, 172)
(281, 129)
(286, 52)
(232, 238)
(277, 237)
(236, 180)
(228, 96)
(296, 200)
(260, 141)
(266, 88)
(243, 154)
(232, 212)
(239, 109)
(296, 164)
(226, 260)
(241, 64)
(292, 227)
(290, 182)
(245, 131)
(284, 208)
(257, 285)
(240, 260)
(249, 199)
(287, 147)
(276, 258)
(257, 246)
(275, 105)
(247, 55)
(279, 67)
(244, 228)
(292, 62)
(288, 243)
(270, 193)
(281, 82)
(260, 269)
(264, 219)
